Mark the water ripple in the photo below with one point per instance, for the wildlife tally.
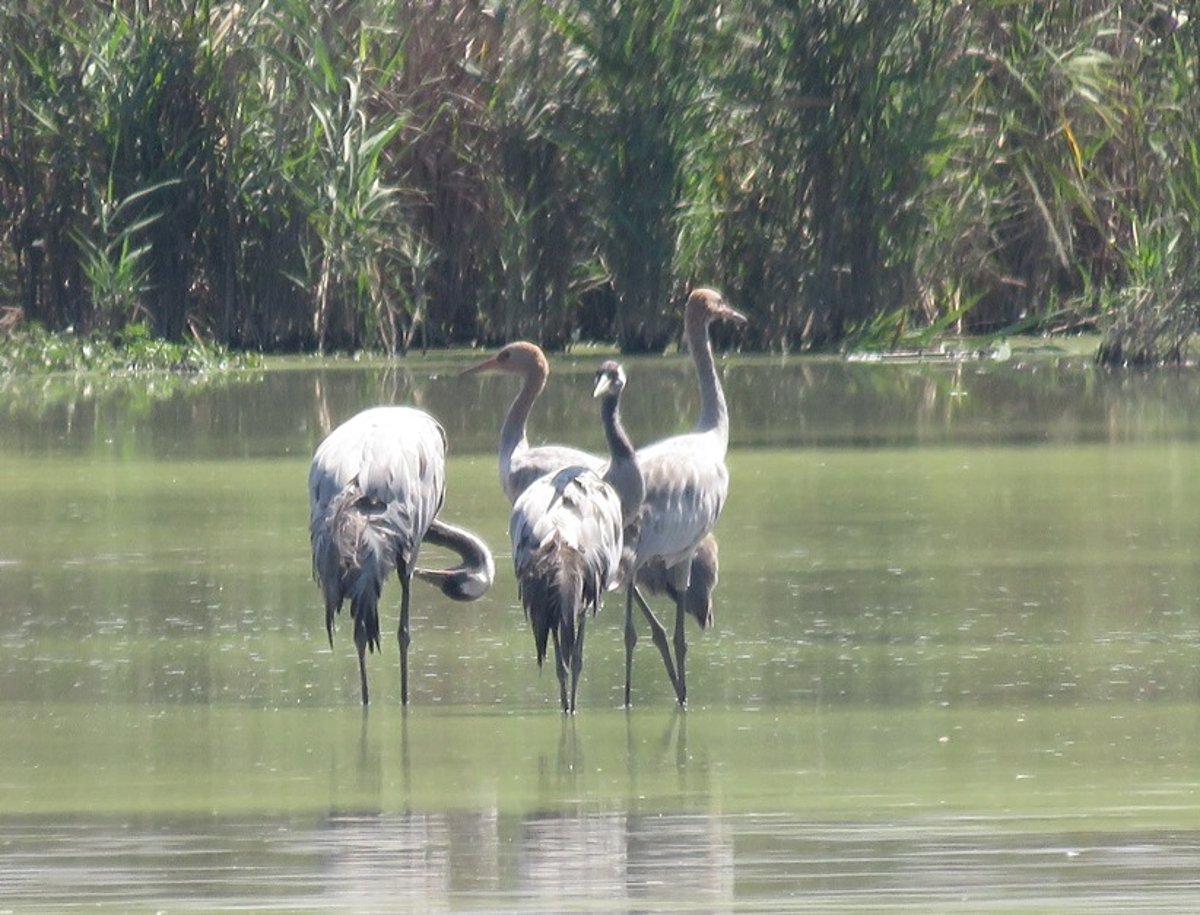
(600, 861)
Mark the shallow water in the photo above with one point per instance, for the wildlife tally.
(956, 664)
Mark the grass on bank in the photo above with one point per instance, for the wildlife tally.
(32, 349)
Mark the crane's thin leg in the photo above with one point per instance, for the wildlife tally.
(360, 642)
(659, 633)
(630, 641)
(681, 649)
(560, 669)
(404, 637)
(576, 662)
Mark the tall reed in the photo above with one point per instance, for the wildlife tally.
(832, 118)
(273, 174)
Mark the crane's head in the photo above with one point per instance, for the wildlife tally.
(458, 583)
(610, 379)
(471, 578)
(520, 358)
(707, 305)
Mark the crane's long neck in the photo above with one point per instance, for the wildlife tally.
(512, 433)
(714, 415)
(470, 579)
(623, 473)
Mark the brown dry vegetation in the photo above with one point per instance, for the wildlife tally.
(290, 176)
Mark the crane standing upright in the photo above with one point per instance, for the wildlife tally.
(568, 531)
(686, 486)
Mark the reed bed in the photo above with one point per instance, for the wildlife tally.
(277, 175)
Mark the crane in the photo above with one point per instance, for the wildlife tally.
(375, 487)
(568, 532)
(686, 484)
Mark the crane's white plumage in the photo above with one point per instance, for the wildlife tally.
(576, 516)
(532, 463)
(686, 486)
(375, 486)
(380, 479)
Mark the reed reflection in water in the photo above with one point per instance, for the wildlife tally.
(608, 860)
(702, 811)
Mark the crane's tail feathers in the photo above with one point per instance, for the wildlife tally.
(364, 608)
(541, 597)
(354, 551)
(698, 599)
(557, 589)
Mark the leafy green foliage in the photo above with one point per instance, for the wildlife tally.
(283, 175)
(133, 349)
(835, 119)
(1151, 315)
(638, 90)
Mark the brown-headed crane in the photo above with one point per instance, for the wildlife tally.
(686, 484)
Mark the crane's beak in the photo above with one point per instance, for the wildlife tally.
(462, 583)
(487, 365)
(602, 386)
(731, 314)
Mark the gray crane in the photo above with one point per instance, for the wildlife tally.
(375, 487)
(686, 486)
(568, 539)
(522, 463)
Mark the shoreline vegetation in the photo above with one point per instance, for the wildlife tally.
(131, 350)
(190, 183)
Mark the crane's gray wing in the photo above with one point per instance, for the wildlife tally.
(572, 512)
(686, 486)
(395, 460)
(375, 485)
(529, 464)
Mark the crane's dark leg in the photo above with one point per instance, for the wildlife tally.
(576, 662)
(659, 634)
(403, 635)
(681, 649)
(630, 641)
(680, 578)
(360, 642)
(560, 668)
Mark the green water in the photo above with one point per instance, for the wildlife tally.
(956, 665)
